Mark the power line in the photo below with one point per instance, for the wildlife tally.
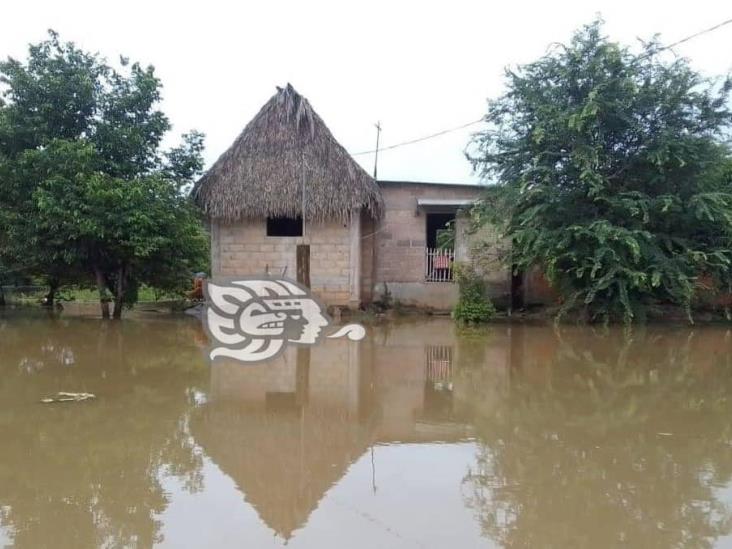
(424, 138)
(695, 35)
(462, 126)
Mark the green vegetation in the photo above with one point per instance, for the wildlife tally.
(473, 305)
(446, 236)
(87, 195)
(614, 176)
(145, 294)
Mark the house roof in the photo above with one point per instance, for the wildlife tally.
(284, 158)
(390, 182)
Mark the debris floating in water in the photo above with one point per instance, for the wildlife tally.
(68, 397)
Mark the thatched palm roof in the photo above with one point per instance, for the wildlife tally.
(287, 145)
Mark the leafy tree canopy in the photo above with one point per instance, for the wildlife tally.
(87, 192)
(613, 171)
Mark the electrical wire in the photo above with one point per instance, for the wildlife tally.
(424, 138)
(462, 126)
(692, 36)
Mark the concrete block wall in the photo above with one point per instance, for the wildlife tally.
(244, 248)
(391, 251)
(399, 248)
(400, 243)
(485, 250)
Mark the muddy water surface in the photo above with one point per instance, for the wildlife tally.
(418, 436)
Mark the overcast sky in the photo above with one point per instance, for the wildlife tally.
(418, 67)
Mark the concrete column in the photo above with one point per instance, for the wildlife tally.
(462, 249)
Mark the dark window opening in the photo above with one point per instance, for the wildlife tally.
(439, 223)
(284, 226)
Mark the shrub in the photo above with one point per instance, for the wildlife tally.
(473, 305)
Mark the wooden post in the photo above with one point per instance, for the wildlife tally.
(355, 259)
(303, 264)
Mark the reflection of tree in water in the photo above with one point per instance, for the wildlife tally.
(88, 474)
(609, 440)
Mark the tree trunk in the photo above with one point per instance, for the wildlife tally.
(117, 313)
(2, 296)
(51, 295)
(102, 288)
(119, 292)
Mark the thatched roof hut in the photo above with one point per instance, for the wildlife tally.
(286, 147)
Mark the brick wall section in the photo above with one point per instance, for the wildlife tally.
(243, 248)
(400, 241)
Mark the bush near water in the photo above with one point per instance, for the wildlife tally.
(473, 305)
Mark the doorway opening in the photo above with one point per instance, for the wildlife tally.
(440, 247)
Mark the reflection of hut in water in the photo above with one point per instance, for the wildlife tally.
(283, 459)
(287, 430)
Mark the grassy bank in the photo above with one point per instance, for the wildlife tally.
(27, 296)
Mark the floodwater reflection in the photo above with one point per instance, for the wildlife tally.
(420, 435)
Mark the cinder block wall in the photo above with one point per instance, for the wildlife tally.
(486, 251)
(392, 251)
(242, 249)
(400, 240)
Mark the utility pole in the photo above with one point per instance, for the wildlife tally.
(376, 156)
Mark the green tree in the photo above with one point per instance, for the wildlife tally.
(88, 195)
(610, 165)
(3, 278)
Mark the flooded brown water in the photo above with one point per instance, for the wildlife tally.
(418, 436)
